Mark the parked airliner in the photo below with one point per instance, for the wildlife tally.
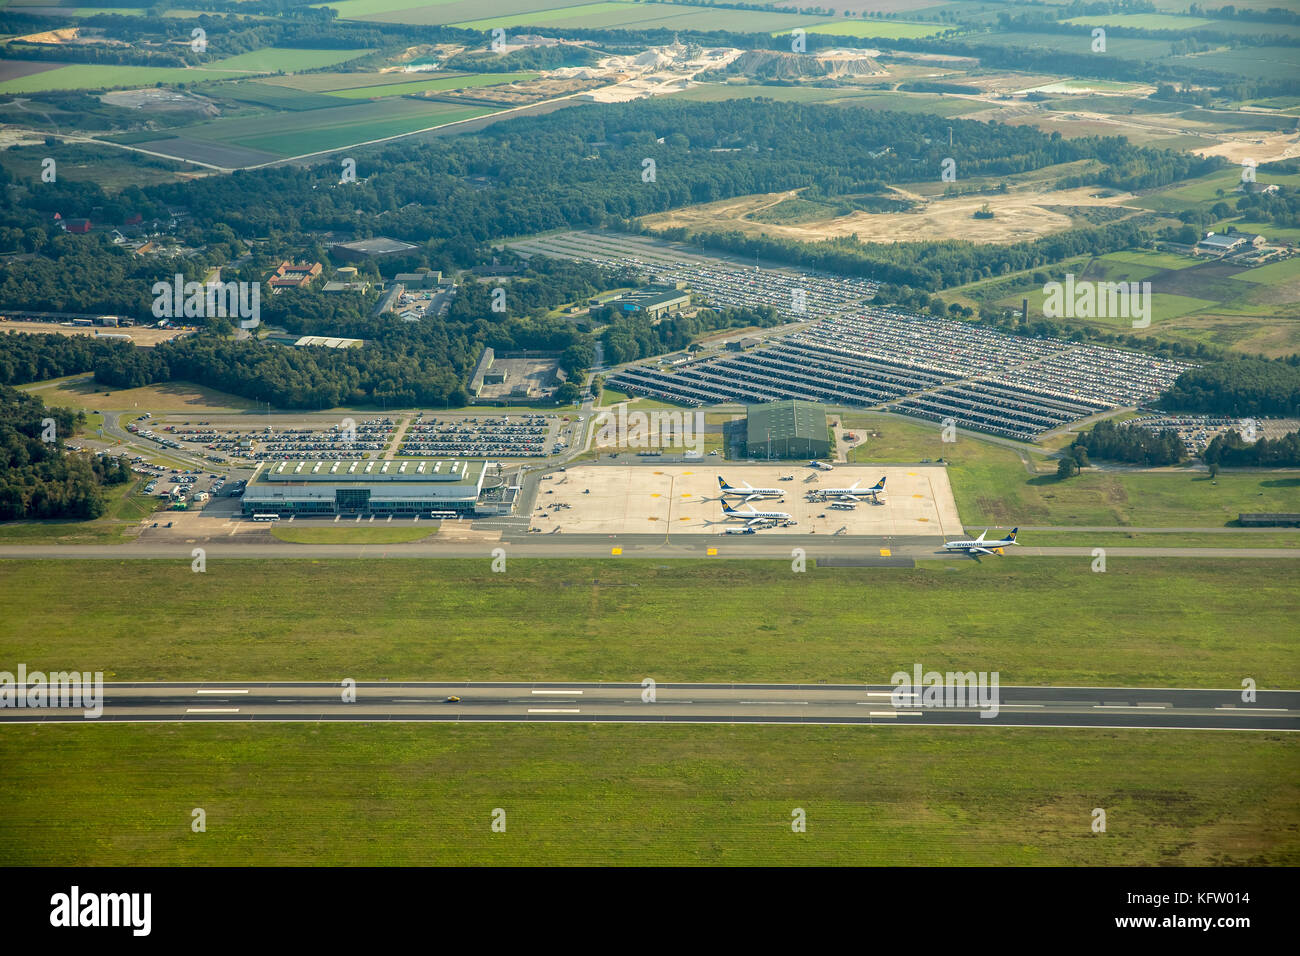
(753, 517)
(748, 490)
(853, 493)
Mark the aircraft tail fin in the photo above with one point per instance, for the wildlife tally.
(1012, 535)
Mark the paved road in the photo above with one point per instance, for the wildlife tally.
(1111, 707)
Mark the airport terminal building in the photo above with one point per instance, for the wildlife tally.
(401, 487)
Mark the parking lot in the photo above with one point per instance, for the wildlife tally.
(1197, 431)
(288, 441)
(685, 499)
(485, 436)
(930, 368)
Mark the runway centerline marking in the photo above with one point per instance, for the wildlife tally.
(1246, 710)
(212, 710)
(1129, 706)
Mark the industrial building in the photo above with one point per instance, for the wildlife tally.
(376, 248)
(788, 429)
(404, 487)
(654, 301)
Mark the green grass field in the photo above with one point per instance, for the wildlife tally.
(108, 76)
(1145, 622)
(302, 534)
(349, 795)
(81, 392)
(993, 487)
(310, 131)
(1171, 539)
(634, 16)
(883, 29)
(277, 59)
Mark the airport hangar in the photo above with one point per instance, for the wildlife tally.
(401, 486)
(787, 429)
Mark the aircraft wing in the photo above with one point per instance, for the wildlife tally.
(981, 551)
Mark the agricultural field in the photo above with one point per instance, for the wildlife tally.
(421, 85)
(1142, 21)
(1167, 620)
(883, 29)
(681, 795)
(248, 140)
(82, 76)
(640, 16)
(277, 60)
(1254, 310)
(265, 94)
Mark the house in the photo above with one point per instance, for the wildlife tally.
(76, 225)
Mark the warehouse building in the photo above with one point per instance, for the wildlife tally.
(654, 300)
(405, 487)
(377, 248)
(787, 429)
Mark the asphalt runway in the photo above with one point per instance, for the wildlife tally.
(818, 704)
(885, 552)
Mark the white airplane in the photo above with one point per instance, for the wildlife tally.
(854, 493)
(755, 517)
(748, 490)
(821, 466)
(980, 546)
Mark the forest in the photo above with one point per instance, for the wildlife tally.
(1243, 386)
(1231, 450)
(1131, 443)
(41, 479)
